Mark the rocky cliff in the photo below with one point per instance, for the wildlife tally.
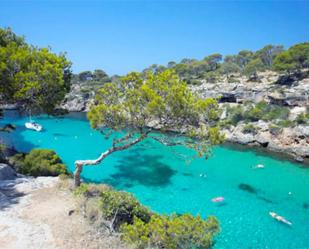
(288, 134)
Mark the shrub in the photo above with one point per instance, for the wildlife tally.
(139, 226)
(249, 128)
(285, 123)
(302, 118)
(171, 232)
(235, 114)
(39, 162)
(264, 111)
(115, 205)
(275, 130)
(122, 207)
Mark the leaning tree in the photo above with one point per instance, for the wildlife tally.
(145, 104)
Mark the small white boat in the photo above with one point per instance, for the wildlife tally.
(259, 166)
(280, 218)
(33, 126)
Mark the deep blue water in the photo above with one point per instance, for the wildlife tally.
(161, 178)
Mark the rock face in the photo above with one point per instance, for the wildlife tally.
(293, 141)
(293, 95)
(78, 100)
(6, 172)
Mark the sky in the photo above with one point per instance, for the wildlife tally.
(123, 36)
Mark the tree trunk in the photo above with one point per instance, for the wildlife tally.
(77, 172)
(80, 163)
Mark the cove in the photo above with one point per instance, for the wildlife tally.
(161, 178)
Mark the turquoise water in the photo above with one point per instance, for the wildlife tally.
(161, 179)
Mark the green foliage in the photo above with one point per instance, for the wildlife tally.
(162, 99)
(266, 112)
(34, 77)
(212, 76)
(142, 227)
(254, 112)
(295, 58)
(39, 162)
(228, 68)
(171, 232)
(122, 207)
(117, 206)
(249, 128)
(302, 118)
(285, 123)
(275, 129)
(267, 54)
(235, 114)
(254, 66)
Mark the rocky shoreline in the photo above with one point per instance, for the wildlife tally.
(292, 142)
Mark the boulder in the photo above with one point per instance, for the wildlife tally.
(6, 172)
(295, 111)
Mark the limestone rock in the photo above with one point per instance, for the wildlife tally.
(6, 172)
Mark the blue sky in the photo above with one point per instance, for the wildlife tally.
(123, 36)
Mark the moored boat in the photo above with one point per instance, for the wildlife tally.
(33, 126)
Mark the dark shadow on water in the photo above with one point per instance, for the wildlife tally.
(60, 135)
(265, 199)
(251, 190)
(17, 134)
(187, 174)
(138, 169)
(248, 188)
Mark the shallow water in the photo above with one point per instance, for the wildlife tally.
(161, 179)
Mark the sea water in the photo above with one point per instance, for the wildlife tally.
(164, 179)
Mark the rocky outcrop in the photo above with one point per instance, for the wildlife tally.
(78, 99)
(293, 141)
(6, 172)
(296, 94)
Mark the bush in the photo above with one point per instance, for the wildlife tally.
(39, 162)
(139, 225)
(285, 123)
(171, 232)
(302, 118)
(122, 207)
(275, 130)
(235, 114)
(249, 128)
(119, 206)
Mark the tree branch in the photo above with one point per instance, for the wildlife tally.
(114, 148)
